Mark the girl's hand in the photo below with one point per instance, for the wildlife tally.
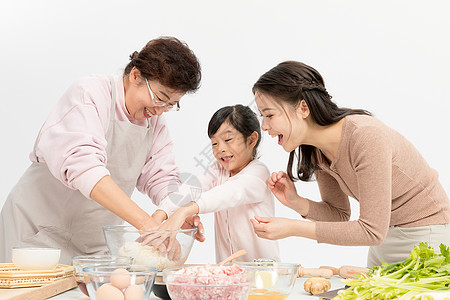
(175, 221)
(272, 228)
(166, 241)
(178, 219)
(284, 190)
(149, 223)
(159, 216)
(194, 221)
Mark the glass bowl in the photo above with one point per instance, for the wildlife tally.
(208, 282)
(118, 283)
(271, 280)
(80, 262)
(149, 247)
(160, 288)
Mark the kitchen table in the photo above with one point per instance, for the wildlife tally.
(297, 293)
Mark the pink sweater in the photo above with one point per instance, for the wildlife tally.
(235, 200)
(72, 141)
(384, 172)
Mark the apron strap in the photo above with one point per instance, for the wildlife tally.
(36, 142)
(112, 112)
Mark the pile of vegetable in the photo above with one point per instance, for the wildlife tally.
(423, 275)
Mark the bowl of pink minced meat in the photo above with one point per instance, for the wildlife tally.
(208, 281)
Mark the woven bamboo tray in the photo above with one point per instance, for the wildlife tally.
(12, 277)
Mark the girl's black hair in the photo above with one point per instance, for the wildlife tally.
(241, 117)
(291, 82)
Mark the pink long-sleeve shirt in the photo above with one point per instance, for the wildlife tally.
(73, 145)
(235, 200)
(382, 170)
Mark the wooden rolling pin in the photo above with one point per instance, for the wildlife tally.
(314, 272)
(346, 271)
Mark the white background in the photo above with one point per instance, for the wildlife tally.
(389, 57)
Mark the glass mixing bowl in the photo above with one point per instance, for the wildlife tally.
(150, 247)
(208, 282)
(113, 282)
(80, 262)
(271, 280)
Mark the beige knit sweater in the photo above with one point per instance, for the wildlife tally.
(384, 172)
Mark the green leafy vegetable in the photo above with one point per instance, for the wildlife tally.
(421, 273)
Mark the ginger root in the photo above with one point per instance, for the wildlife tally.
(317, 285)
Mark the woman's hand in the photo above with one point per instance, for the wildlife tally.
(280, 228)
(166, 241)
(108, 194)
(284, 190)
(272, 228)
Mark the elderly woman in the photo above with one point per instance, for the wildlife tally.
(105, 137)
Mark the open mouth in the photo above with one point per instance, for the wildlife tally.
(226, 159)
(147, 113)
(280, 139)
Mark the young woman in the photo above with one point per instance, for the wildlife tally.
(349, 153)
(105, 137)
(234, 187)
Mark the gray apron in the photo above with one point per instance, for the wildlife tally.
(40, 211)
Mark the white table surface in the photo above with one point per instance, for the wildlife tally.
(297, 293)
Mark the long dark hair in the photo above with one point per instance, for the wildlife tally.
(291, 82)
(241, 117)
(169, 61)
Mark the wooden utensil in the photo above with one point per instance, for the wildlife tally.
(314, 272)
(232, 256)
(347, 271)
(333, 269)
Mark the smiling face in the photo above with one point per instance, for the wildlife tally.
(282, 121)
(231, 149)
(138, 100)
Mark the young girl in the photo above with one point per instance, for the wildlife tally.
(234, 187)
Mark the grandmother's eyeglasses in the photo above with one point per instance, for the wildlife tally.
(161, 104)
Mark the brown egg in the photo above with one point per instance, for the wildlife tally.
(120, 278)
(134, 292)
(108, 292)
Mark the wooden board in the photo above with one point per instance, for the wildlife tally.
(39, 293)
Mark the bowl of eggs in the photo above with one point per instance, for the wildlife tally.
(116, 283)
(80, 262)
